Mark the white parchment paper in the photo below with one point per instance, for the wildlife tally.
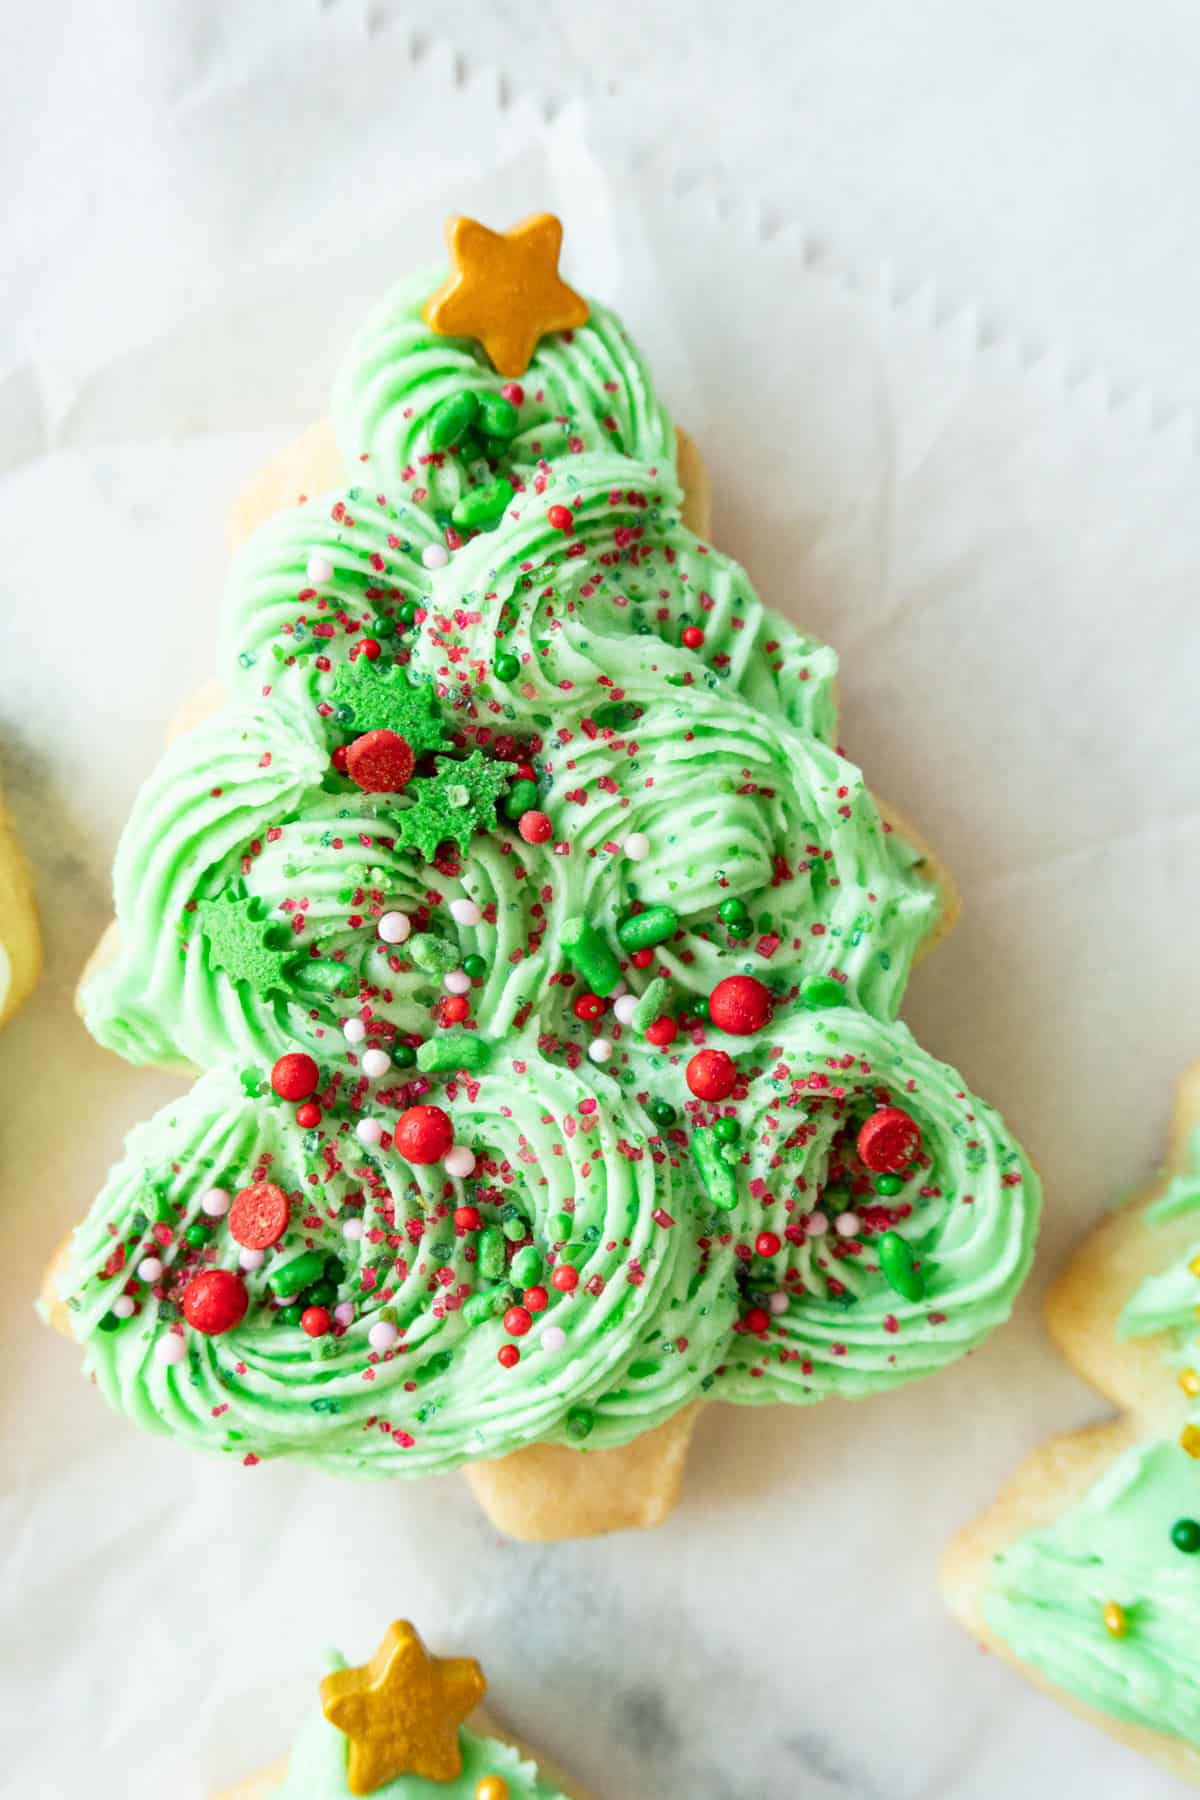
(1007, 564)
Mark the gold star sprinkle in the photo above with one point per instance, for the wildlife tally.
(505, 290)
(402, 1710)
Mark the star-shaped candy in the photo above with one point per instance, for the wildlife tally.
(401, 1711)
(505, 289)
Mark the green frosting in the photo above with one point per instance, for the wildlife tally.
(696, 789)
(1047, 1594)
(317, 1770)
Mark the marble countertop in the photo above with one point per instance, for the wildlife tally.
(1002, 543)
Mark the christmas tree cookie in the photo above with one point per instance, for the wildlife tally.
(397, 1728)
(1085, 1573)
(541, 952)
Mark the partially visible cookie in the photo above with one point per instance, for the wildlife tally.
(20, 942)
(1085, 1571)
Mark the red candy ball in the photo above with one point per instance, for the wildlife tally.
(641, 959)
(767, 1243)
(215, 1301)
(693, 637)
(711, 1075)
(315, 1321)
(295, 1076)
(514, 393)
(662, 1032)
(587, 1006)
(455, 1008)
(308, 1115)
(338, 759)
(535, 827)
(536, 1299)
(423, 1134)
(889, 1140)
(560, 518)
(259, 1216)
(757, 1319)
(565, 1278)
(371, 648)
(380, 762)
(508, 1356)
(517, 1321)
(740, 1005)
(467, 1218)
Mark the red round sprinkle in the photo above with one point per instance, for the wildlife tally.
(295, 1076)
(259, 1216)
(508, 1356)
(514, 393)
(641, 959)
(587, 1006)
(215, 1301)
(767, 1243)
(711, 1075)
(338, 759)
(889, 1140)
(662, 1031)
(535, 827)
(380, 762)
(455, 1008)
(466, 1218)
(308, 1115)
(757, 1319)
(517, 1321)
(315, 1321)
(423, 1134)
(536, 1299)
(368, 647)
(560, 518)
(565, 1278)
(740, 1004)
(693, 637)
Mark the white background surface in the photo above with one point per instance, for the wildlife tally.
(922, 281)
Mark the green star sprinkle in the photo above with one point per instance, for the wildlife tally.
(383, 699)
(453, 804)
(245, 943)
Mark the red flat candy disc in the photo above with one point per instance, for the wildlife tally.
(889, 1140)
(259, 1216)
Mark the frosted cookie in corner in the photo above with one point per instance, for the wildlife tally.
(398, 1728)
(20, 940)
(541, 952)
(1085, 1573)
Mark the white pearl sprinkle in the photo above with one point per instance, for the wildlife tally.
(149, 1269)
(816, 1224)
(354, 1031)
(435, 556)
(343, 1312)
(320, 569)
(600, 1050)
(122, 1307)
(352, 1230)
(778, 1302)
(637, 846)
(394, 927)
(251, 1259)
(215, 1203)
(459, 1161)
(369, 1131)
(170, 1349)
(553, 1338)
(625, 1008)
(382, 1336)
(465, 912)
(457, 982)
(846, 1224)
(375, 1063)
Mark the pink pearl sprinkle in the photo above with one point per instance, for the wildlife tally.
(465, 912)
(251, 1259)
(319, 569)
(122, 1307)
(216, 1203)
(354, 1031)
(369, 1132)
(846, 1224)
(553, 1338)
(778, 1302)
(343, 1312)
(382, 1336)
(394, 927)
(625, 1008)
(170, 1349)
(816, 1224)
(435, 556)
(375, 1063)
(459, 1161)
(352, 1230)
(457, 982)
(149, 1269)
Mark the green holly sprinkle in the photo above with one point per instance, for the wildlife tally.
(369, 696)
(246, 944)
(451, 806)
